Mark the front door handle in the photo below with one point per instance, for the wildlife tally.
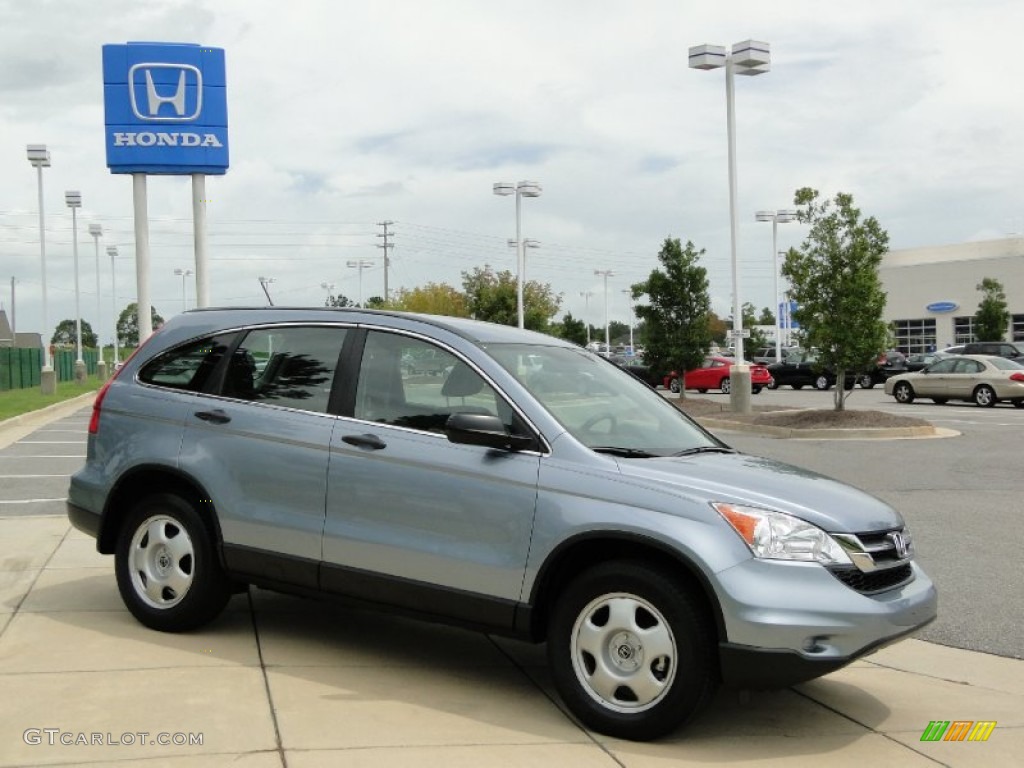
(216, 416)
(372, 442)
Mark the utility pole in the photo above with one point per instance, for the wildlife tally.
(386, 246)
(14, 319)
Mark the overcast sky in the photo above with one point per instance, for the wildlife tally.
(345, 114)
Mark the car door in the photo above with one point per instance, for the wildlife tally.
(412, 519)
(259, 444)
(964, 378)
(935, 380)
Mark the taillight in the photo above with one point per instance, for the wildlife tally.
(1017, 377)
(94, 422)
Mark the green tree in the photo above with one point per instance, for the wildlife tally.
(834, 278)
(750, 322)
(338, 300)
(432, 299)
(767, 317)
(128, 324)
(65, 334)
(677, 312)
(491, 296)
(572, 330)
(993, 314)
(375, 302)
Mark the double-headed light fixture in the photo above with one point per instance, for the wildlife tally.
(520, 190)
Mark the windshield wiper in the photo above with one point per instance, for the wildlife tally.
(626, 453)
(704, 449)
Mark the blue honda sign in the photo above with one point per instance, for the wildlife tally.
(166, 108)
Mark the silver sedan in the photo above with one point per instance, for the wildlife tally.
(981, 379)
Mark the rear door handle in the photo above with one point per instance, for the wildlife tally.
(372, 442)
(216, 416)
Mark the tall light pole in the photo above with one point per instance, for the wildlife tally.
(751, 57)
(39, 158)
(184, 274)
(73, 199)
(606, 273)
(783, 216)
(329, 287)
(96, 231)
(359, 264)
(586, 299)
(112, 252)
(629, 293)
(520, 190)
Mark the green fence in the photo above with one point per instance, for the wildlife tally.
(19, 368)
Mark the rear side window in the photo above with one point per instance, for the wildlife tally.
(188, 367)
(291, 366)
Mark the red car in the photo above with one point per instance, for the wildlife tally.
(714, 374)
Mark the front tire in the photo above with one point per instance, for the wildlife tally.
(725, 385)
(821, 383)
(167, 568)
(673, 386)
(865, 381)
(904, 393)
(772, 383)
(631, 651)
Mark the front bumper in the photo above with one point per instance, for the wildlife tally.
(790, 622)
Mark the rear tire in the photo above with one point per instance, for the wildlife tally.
(865, 381)
(725, 385)
(673, 386)
(631, 650)
(756, 390)
(772, 384)
(939, 400)
(822, 383)
(985, 396)
(167, 567)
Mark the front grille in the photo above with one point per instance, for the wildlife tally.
(875, 581)
(881, 546)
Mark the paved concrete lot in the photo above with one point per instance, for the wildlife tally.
(280, 681)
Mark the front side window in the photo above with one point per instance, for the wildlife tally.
(188, 367)
(285, 366)
(408, 382)
(943, 366)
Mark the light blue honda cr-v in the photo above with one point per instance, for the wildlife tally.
(488, 477)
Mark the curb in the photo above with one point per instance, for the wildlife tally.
(51, 412)
(854, 433)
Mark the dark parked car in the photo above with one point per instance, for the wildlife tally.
(922, 360)
(1006, 349)
(638, 367)
(889, 364)
(802, 369)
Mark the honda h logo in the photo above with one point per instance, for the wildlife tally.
(183, 94)
(902, 544)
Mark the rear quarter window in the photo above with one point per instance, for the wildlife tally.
(189, 367)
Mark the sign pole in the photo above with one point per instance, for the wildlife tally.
(199, 237)
(140, 204)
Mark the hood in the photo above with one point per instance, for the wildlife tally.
(768, 484)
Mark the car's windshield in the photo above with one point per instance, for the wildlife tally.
(601, 405)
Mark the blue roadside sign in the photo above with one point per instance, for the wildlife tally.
(165, 107)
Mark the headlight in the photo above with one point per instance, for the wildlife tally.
(778, 536)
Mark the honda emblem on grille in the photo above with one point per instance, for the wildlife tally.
(901, 543)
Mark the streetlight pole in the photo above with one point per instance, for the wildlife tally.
(776, 218)
(606, 273)
(183, 274)
(520, 190)
(73, 199)
(329, 287)
(39, 158)
(264, 282)
(629, 293)
(750, 57)
(586, 298)
(96, 231)
(112, 252)
(361, 264)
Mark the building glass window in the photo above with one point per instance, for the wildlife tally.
(963, 330)
(1016, 327)
(914, 336)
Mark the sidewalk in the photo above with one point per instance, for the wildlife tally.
(284, 681)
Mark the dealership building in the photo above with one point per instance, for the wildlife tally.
(933, 294)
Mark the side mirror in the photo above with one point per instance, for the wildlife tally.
(486, 430)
